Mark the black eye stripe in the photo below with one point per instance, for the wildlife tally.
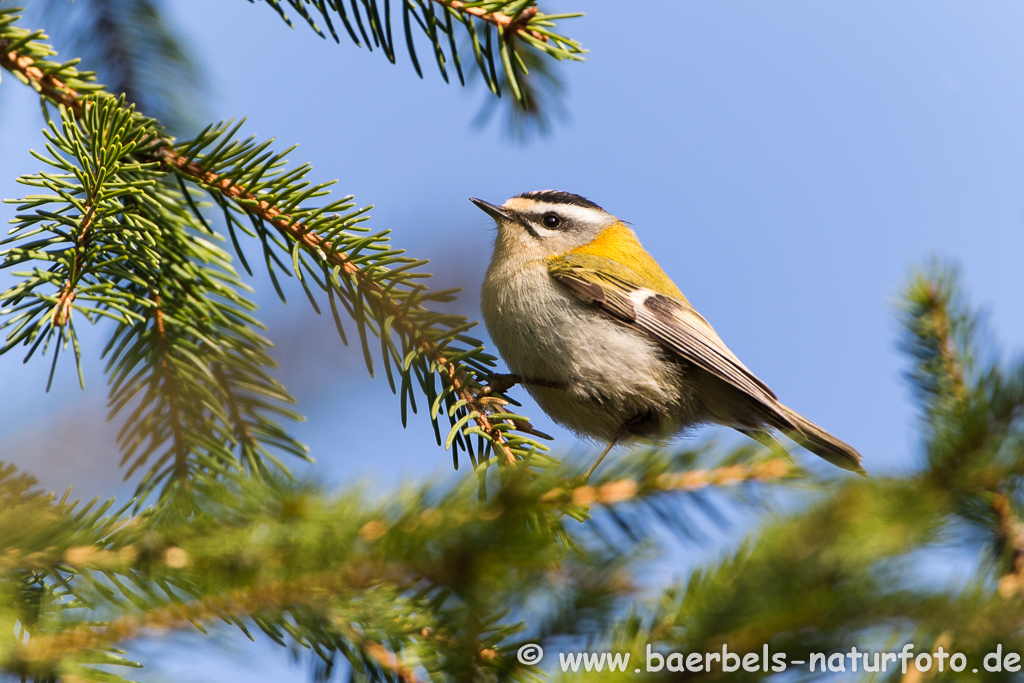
(543, 220)
(534, 221)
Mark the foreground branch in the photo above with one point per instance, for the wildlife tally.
(622, 490)
(1009, 536)
(241, 603)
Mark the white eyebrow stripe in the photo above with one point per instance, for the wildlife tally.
(570, 211)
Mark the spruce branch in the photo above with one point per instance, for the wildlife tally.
(456, 375)
(455, 372)
(516, 23)
(1010, 536)
(819, 580)
(118, 242)
(509, 24)
(46, 81)
(938, 337)
(427, 580)
(234, 606)
(971, 404)
(37, 528)
(36, 531)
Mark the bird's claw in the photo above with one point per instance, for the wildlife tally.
(500, 383)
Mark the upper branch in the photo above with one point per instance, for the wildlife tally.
(502, 21)
(516, 23)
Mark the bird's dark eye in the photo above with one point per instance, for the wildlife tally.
(551, 220)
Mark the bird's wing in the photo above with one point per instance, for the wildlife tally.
(613, 289)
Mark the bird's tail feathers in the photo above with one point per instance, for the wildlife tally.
(821, 443)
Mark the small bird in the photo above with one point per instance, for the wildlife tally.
(606, 343)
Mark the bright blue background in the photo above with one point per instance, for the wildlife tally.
(786, 162)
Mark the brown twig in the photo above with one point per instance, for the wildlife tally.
(313, 242)
(66, 297)
(65, 302)
(456, 376)
(502, 21)
(937, 307)
(50, 85)
(693, 480)
(1009, 532)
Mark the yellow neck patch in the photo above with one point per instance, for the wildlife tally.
(619, 244)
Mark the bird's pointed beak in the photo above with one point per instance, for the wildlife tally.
(495, 212)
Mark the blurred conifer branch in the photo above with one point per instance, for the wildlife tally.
(424, 584)
(854, 568)
(646, 479)
(541, 100)
(135, 50)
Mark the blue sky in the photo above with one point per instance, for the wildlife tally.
(786, 163)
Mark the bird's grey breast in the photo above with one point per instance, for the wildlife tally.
(527, 316)
(546, 332)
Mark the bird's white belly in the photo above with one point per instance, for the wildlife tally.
(608, 374)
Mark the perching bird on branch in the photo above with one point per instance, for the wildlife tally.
(605, 341)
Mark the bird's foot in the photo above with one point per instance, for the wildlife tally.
(500, 383)
(490, 398)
